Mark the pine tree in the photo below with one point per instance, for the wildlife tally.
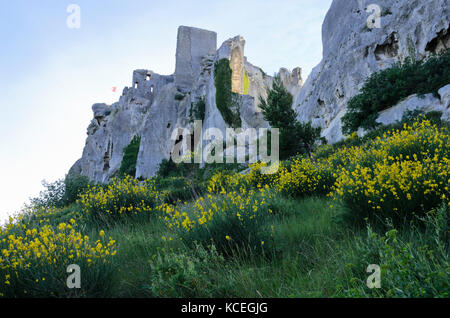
(295, 137)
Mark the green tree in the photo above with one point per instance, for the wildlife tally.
(75, 185)
(295, 137)
(308, 136)
(166, 168)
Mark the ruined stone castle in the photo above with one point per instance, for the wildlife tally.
(155, 104)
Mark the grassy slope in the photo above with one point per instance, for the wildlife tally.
(313, 250)
(311, 244)
(313, 253)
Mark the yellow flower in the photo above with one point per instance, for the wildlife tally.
(228, 238)
(102, 233)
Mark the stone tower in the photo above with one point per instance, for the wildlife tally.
(192, 45)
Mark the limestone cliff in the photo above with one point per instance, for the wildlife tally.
(155, 105)
(352, 51)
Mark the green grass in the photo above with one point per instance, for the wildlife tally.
(310, 258)
(310, 248)
(307, 243)
(313, 253)
(138, 244)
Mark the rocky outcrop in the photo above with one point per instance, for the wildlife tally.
(352, 51)
(193, 45)
(156, 105)
(426, 103)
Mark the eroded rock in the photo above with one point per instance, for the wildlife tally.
(352, 52)
(157, 105)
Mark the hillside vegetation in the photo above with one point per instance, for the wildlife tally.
(386, 88)
(310, 230)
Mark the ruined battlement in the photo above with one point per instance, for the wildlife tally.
(155, 105)
(147, 83)
(192, 45)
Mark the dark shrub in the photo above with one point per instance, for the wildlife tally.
(130, 157)
(386, 88)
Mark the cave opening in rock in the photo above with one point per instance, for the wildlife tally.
(440, 43)
(387, 50)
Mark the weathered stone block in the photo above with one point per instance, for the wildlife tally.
(192, 45)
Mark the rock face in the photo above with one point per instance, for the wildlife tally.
(352, 51)
(156, 105)
(192, 46)
(425, 103)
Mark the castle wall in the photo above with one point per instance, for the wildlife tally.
(192, 45)
(151, 107)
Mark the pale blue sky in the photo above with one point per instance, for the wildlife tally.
(51, 75)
